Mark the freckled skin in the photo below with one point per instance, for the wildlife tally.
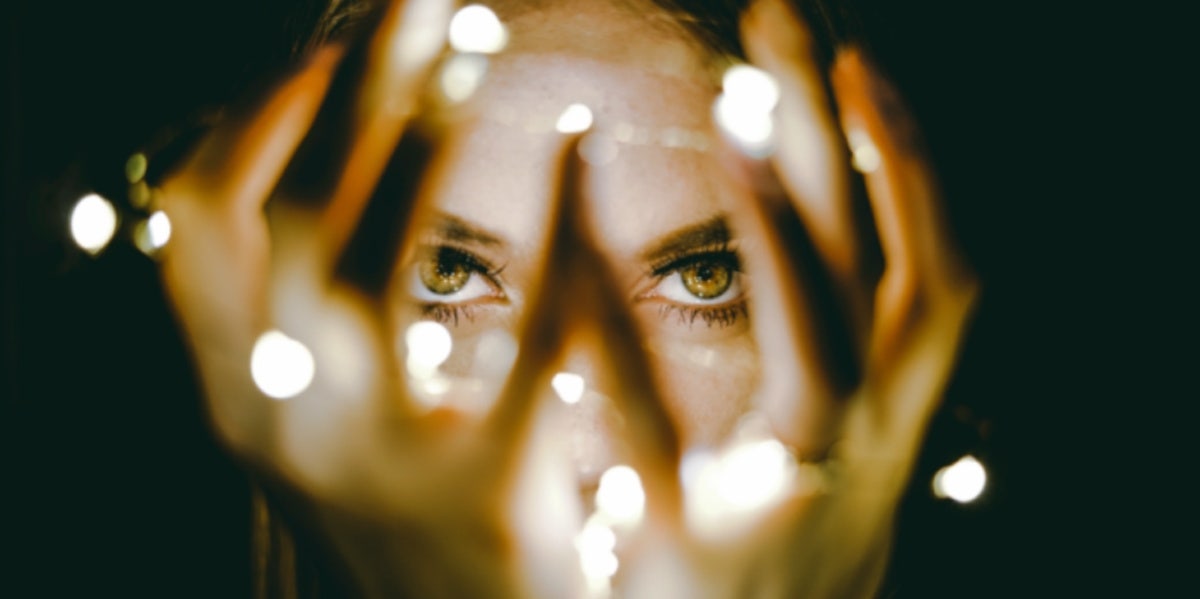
(497, 171)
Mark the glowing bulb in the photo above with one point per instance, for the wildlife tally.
(595, 544)
(568, 386)
(429, 345)
(751, 129)
(476, 28)
(93, 223)
(462, 75)
(751, 88)
(574, 119)
(160, 229)
(865, 155)
(620, 496)
(729, 489)
(281, 366)
(962, 481)
(135, 167)
(754, 474)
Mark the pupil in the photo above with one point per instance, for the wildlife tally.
(706, 280)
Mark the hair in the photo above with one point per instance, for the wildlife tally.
(288, 563)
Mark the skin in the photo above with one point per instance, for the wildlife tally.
(481, 500)
(493, 170)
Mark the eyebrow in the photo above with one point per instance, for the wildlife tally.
(714, 231)
(453, 228)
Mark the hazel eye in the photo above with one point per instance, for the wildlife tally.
(705, 280)
(442, 276)
(446, 275)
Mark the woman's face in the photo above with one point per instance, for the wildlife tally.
(651, 198)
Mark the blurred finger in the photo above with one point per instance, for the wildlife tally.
(810, 157)
(922, 262)
(578, 296)
(373, 97)
(809, 361)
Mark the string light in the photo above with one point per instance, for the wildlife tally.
(576, 118)
(461, 76)
(568, 386)
(475, 28)
(743, 110)
(282, 367)
(963, 481)
(93, 223)
(620, 496)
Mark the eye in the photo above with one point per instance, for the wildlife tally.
(446, 275)
(701, 280)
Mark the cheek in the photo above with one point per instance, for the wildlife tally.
(707, 387)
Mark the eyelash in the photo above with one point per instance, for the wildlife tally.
(721, 315)
(452, 313)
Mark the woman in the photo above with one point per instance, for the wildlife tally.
(578, 228)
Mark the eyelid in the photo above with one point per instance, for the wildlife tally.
(669, 272)
(481, 272)
(673, 262)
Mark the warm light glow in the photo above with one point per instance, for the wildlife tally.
(963, 481)
(743, 110)
(568, 386)
(476, 28)
(429, 345)
(595, 544)
(726, 489)
(620, 496)
(159, 227)
(751, 130)
(575, 118)
(462, 74)
(865, 155)
(135, 167)
(93, 223)
(281, 366)
(750, 88)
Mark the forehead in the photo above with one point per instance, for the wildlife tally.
(650, 95)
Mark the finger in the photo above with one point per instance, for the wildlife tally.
(578, 296)
(810, 157)
(809, 361)
(922, 262)
(362, 119)
(236, 166)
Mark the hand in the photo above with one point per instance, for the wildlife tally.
(853, 388)
(413, 501)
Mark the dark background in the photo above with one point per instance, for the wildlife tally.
(113, 485)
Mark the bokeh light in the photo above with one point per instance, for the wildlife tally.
(159, 227)
(750, 87)
(568, 386)
(725, 489)
(620, 496)
(865, 157)
(429, 344)
(595, 544)
(576, 118)
(475, 28)
(281, 366)
(743, 110)
(461, 76)
(93, 223)
(135, 167)
(963, 481)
